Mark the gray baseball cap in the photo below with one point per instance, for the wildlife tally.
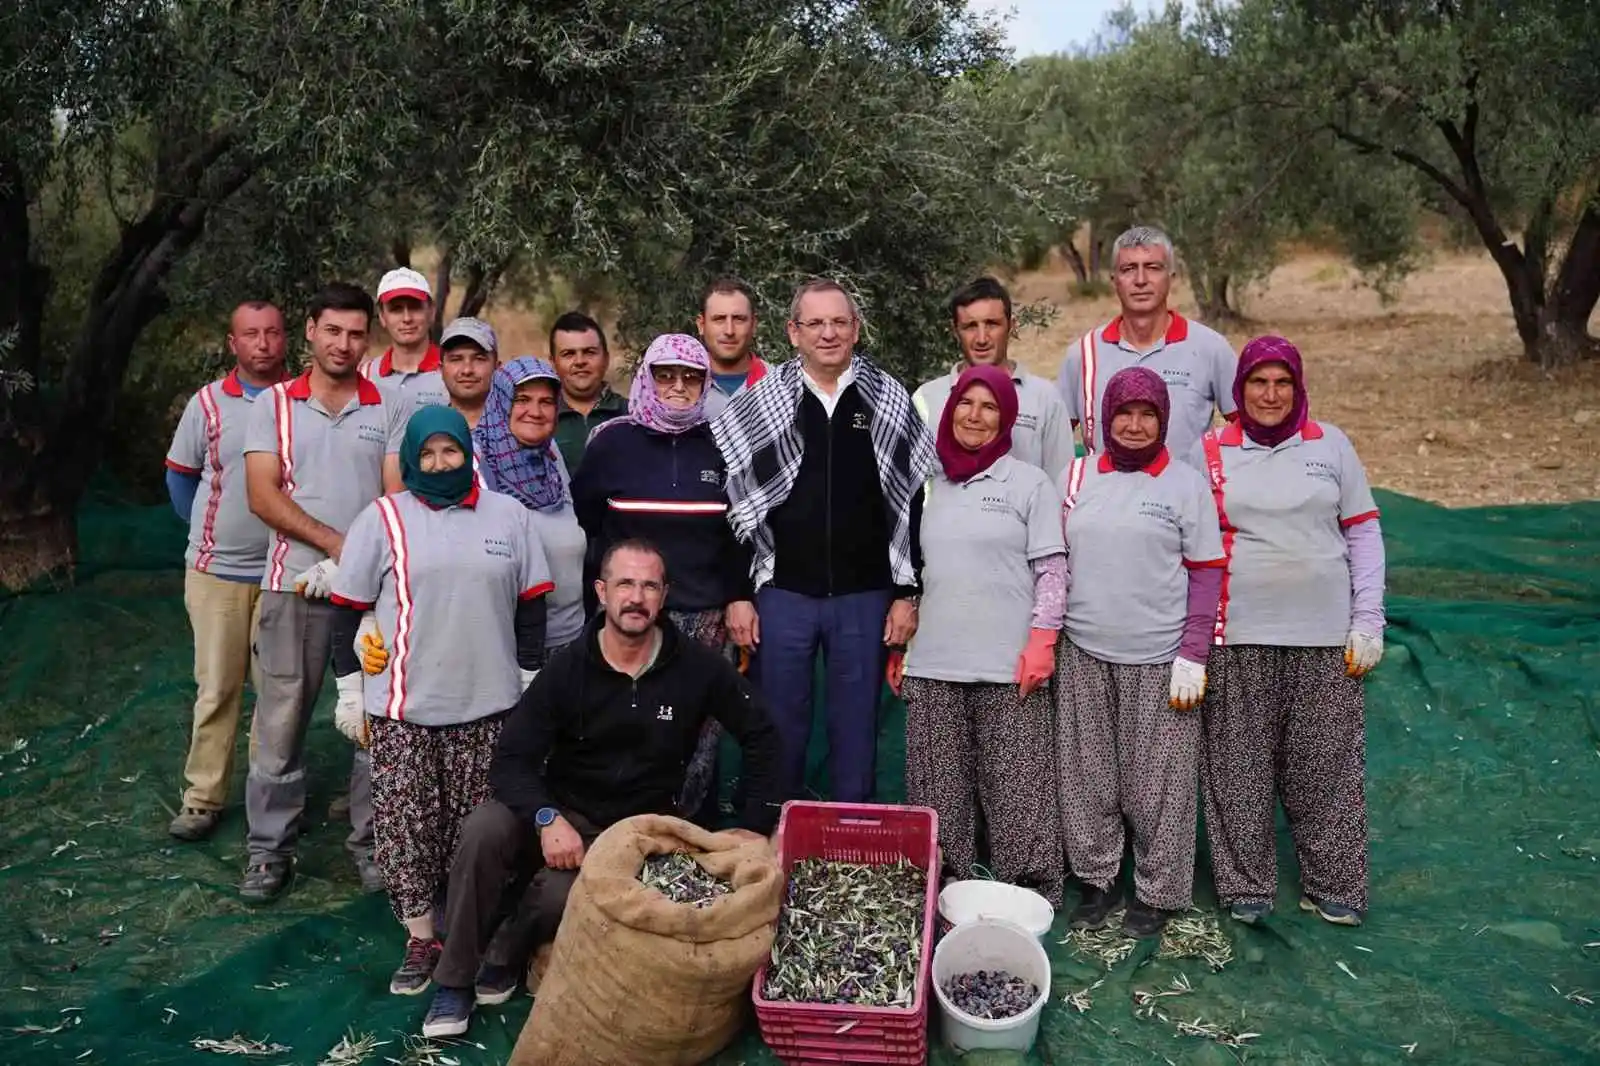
(475, 330)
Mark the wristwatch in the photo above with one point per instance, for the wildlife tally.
(545, 817)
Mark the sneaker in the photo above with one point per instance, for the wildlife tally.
(495, 984)
(416, 969)
(194, 823)
(371, 876)
(265, 881)
(1337, 913)
(450, 1013)
(1144, 922)
(1249, 912)
(1094, 909)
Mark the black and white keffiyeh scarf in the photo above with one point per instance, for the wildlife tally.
(759, 437)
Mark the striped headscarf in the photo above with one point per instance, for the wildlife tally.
(532, 475)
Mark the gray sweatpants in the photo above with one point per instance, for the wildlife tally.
(1125, 754)
(293, 641)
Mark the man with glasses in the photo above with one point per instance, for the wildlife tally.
(826, 458)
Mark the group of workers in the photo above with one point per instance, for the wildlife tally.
(544, 604)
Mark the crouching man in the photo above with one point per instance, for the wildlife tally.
(604, 733)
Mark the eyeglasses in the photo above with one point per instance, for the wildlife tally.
(817, 325)
(669, 375)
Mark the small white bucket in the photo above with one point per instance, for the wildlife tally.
(990, 944)
(965, 901)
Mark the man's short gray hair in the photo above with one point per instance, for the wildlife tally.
(1141, 237)
(822, 285)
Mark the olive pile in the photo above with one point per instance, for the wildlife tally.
(990, 994)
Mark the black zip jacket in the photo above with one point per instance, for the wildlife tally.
(830, 537)
(590, 739)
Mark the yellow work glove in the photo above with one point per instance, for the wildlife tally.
(369, 646)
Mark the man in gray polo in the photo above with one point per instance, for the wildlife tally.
(468, 355)
(314, 450)
(980, 318)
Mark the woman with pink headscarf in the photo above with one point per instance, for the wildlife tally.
(657, 475)
(978, 729)
(1143, 557)
(1300, 623)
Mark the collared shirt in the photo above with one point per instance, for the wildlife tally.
(1283, 512)
(408, 390)
(979, 541)
(1131, 537)
(573, 426)
(331, 462)
(225, 538)
(829, 400)
(1043, 433)
(443, 584)
(718, 397)
(1195, 361)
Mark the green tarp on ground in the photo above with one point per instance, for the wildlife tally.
(1484, 786)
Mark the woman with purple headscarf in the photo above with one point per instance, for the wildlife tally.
(1144, 559)
(1300, 623)
(978, 716)
(657, 475)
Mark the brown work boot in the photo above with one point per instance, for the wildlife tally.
(194, 823)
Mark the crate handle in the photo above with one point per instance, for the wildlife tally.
(860, 821)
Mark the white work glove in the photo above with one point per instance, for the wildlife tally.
(350, 713)
(527, 677)
(317, 582)
(1361, 653)
(1188, 685)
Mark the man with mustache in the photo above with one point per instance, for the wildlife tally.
(602, 734)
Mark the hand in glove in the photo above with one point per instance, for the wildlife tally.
(350, 713)
(1361, 653)
(527, 677)
(1037, 661)
(317, 582)
(369, 646)
(1188, 684)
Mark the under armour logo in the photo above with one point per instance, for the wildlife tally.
(664, 713)
(858, 420)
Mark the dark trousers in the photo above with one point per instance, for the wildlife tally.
(849, 631)
(498, 881)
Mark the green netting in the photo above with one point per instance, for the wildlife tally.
(1484, 754)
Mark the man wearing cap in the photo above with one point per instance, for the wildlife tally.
(408, 372)
(1196, 362)
(226, 556)
(980, 318)
(314, 451)
(578, 352)
(468, 355)
(727, 326)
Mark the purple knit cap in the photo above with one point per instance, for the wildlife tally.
(1136, 384)
(1260, 351)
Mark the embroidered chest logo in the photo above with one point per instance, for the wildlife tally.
(1161, 512)
(664, 713)
(1175, 377)
(859, 420)
(495, 546)
(1319, 469)
(711, 477)
(372, 433)
(993, 503)
(1027, 421)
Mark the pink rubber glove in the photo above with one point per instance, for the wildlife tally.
(1037, 661)
(894, 671)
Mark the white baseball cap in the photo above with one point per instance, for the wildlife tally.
(403, 281)
(475, 330)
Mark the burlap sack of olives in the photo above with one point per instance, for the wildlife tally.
(638, 980)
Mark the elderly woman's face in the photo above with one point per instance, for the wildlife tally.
(678, 386)
(439, 454)
(977, 417)
(1136, 425)
(533, 412)
(1269, 394)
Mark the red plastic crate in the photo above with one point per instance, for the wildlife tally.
(802, 1034)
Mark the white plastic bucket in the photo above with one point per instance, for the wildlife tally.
(990, 944)
(965, 901)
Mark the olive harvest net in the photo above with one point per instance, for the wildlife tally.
(1483, 945)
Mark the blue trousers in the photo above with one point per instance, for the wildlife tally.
(849, 632)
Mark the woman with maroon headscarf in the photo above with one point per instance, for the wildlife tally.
(1299, 624)
(977, 700)
(1143, 559)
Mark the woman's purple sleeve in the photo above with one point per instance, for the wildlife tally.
(1367, 567)
(1049, 591)
(1205, 589)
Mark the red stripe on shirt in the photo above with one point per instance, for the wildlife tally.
(666, 506)
(1356, 520)
(1090, 356)
(1205, 564)
(541, 589)
(192, 471)
(208, 526)
(283, 416)
(400, 664)
(1212, 444)
(345, 601)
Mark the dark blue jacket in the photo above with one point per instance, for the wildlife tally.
(669, 489)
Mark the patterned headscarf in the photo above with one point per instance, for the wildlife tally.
(960, 463)
(1272, 350)
(645, 405)
(532, 475)
(1136, 384)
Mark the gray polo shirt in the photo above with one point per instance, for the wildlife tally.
(443, 584)
(979, 540)
(564, 547)
(331, 462)
(718, 399)
(408, 391)
(1131, 538)
(1284, 511)
(1043, 433)
(1195, 361)
(225, 538)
